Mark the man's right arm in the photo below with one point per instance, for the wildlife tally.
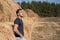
(16, 30)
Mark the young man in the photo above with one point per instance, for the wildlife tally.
(18, 25)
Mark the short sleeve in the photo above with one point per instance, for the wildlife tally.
(16, 21)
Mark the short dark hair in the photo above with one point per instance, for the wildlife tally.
(17, 11)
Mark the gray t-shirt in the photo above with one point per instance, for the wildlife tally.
(20, 26)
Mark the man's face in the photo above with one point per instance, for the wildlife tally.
(21, 13)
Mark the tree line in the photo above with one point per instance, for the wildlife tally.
(43, 9)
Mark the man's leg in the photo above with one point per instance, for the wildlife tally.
(18, 38)
(23, 38)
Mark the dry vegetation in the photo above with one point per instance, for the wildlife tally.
(46, 31)
(36, 28)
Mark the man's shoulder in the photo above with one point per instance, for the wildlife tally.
(16, 19)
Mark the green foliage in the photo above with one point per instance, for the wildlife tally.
(43, 9)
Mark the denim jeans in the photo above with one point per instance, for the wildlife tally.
(18, 38)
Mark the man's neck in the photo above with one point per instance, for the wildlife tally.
(19, 17)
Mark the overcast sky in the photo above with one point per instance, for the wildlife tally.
(55, 1)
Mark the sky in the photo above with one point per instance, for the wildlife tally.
(55, 1)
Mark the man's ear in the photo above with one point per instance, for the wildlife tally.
(18, 14)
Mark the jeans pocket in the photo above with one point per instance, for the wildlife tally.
(23, 38)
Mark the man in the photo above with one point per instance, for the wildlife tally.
(18, 25)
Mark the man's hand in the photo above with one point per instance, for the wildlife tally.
(21, 36)
(17, 31)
